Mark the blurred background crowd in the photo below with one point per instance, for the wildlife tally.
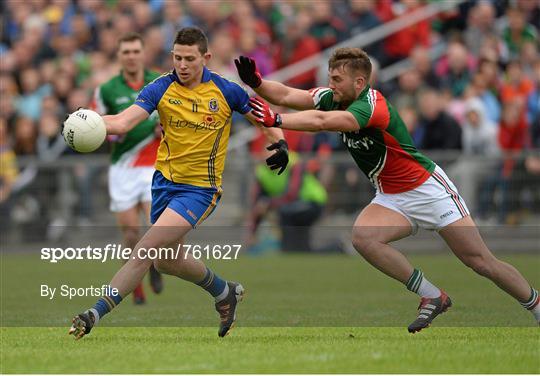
(480, 97)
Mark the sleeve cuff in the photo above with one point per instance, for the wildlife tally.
(145, 106)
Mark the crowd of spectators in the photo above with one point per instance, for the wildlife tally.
(481, 96)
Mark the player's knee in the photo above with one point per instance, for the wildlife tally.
(480, 265)
(362, 241)
(138, 262)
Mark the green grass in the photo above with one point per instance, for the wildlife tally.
(302, 314)
(273, 350)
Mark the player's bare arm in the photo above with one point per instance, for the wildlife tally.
(126, 120)
(273, 91)
(310, 120)
(315, 121)
(285, 96)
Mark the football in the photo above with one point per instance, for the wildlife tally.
(84, 131)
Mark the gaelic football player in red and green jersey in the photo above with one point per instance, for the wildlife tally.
(411, 190)
(133, 154)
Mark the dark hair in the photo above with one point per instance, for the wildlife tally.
(353, 58)
(190, 36)
(130, 37)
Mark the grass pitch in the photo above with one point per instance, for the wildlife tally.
(302, 314)
(272, 350)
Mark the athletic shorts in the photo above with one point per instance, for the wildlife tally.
(433, 205)
(128, 186)
(193, 203)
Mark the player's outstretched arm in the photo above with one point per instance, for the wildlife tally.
(310, 120)
(273, 91)
(126, 120)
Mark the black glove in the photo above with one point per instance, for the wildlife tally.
(247, 70)
(280, 159)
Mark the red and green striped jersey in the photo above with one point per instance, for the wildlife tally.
(139, 146)
(381, 147)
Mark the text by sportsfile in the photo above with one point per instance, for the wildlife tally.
(69, 292)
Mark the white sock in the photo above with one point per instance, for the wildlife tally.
(533, 304)
(419, 284)
(224, 294)
(536, 313)
(428, 290)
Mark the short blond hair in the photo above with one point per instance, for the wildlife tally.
(354, 59)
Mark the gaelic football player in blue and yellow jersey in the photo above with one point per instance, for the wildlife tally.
(195, 107)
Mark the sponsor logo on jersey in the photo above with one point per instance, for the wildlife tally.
(363, 143)
(197, 126)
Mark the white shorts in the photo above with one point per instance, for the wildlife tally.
(129, 185)
(433, 205)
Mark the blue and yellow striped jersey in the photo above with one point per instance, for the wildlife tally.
(195, 124)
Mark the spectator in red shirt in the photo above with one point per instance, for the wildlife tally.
(513, 132)
(297, 45)
(513, 138)
(399, 45)
(516, 84)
